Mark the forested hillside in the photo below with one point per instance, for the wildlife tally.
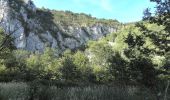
(130, 63)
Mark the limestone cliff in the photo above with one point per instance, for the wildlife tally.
(34, 29)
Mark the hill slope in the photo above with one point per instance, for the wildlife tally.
(34, 29)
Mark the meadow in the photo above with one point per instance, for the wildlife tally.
(25, 91)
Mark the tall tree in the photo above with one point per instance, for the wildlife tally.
(162, 17)
(5, 44)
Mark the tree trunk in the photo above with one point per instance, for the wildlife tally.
(166, 90)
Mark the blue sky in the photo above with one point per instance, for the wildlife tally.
(122, 10)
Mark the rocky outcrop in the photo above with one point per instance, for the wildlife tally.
(18, 17)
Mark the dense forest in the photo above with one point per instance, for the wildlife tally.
(130, 64)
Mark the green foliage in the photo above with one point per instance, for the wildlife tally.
(5, 44)
(43, 66)
(6, 57)
(136, 54)
(162, 14)
(161, 39)
(141, 47)
(100, 75)
(81, 61)
(70, 18)
(75, 67)
(100, 53)
(68, 68)
(129, 55)
(119, 69)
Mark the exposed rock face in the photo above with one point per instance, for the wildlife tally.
(18, 17)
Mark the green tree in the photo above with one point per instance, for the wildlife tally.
(7, 60)
(162, 17)
(43, 66)
(119, 69)
(99, 53)
(6, 44)
(68, 68)
(139, 52)
(82, 64)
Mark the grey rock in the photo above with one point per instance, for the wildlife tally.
(30, 34)
(34, 43)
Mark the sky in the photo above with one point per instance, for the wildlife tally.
(121, 10)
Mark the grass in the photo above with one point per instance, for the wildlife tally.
(14, 91)
(24, 91)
